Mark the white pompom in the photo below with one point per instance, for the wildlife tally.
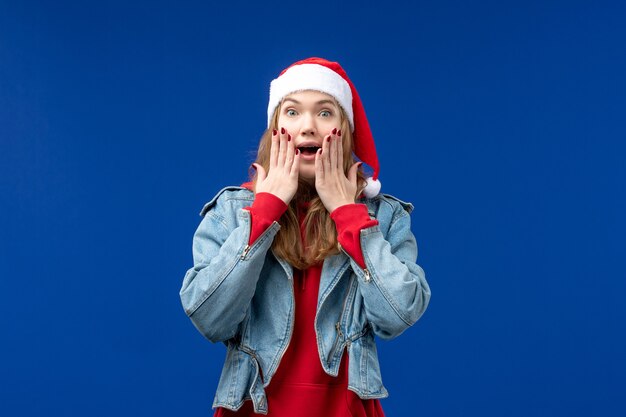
(372, 188)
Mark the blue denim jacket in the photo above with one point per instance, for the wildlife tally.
(242, 295)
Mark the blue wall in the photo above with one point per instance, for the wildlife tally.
(503, 122)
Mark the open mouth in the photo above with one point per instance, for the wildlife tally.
(308, 150)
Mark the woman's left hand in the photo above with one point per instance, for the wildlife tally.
(332, 185)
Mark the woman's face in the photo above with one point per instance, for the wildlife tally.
(308, 116)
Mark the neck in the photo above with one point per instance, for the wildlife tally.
(306, 191)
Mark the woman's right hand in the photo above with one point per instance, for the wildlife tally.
(282, 176)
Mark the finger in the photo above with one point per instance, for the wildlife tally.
(332, 157)
(339, 152)
(282, 153)
(325, 154)
(353, 171)
(319, 167)
(290, 154)
(295, 167)
(260, 172)
(274, 149)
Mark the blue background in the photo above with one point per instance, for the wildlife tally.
(503, 122)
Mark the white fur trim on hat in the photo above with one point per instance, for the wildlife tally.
(372, 187)
(311, 77)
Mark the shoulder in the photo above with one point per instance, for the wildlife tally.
(229, 197)
(387, 209)
(387, 202)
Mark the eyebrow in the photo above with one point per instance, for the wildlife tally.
(325, 101)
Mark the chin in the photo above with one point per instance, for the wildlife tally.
(307, 178)
(307, 174)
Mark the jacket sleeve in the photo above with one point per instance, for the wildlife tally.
(394, 288)
(217, 291)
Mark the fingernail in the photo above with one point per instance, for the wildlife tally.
(297, 151)
(334, 131)
(282, 130)
(253, 166)
(288, 138)
(339, 133)
(274, 132)
(328, 139)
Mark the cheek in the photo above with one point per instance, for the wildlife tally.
(286, 123)
(331, 124)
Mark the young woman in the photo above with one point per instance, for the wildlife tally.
(299, 269)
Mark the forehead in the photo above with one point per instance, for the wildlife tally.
(310, 97)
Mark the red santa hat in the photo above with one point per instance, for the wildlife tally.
(328, 77)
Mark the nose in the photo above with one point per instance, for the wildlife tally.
(308, 127)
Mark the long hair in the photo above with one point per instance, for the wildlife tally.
(320, 233)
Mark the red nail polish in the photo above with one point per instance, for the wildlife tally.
(339, 133)
(288, 138)
(253, 166)
(328, 139)
(274, 132)
(334, 131)
(297, 151)
(282, 130)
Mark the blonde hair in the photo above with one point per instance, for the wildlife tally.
(320, 233)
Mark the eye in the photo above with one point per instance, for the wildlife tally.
(291, 112)
(325, 113)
